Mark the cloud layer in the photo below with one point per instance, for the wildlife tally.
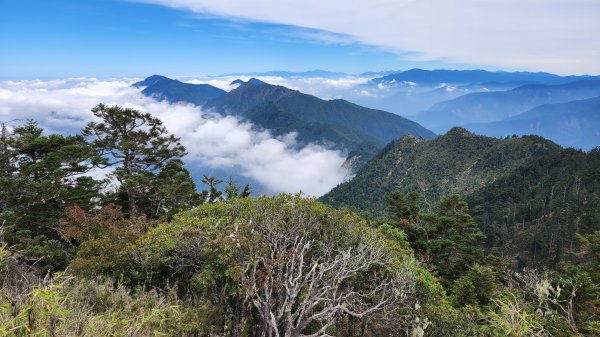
(550, 35)
(211, 140)
(326, 88)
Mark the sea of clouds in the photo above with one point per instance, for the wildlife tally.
(213, 142)
(323, 87)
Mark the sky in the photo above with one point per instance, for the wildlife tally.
(122, 38)
(60, 58)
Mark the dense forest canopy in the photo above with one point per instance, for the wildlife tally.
(531, 198)
(466, 236)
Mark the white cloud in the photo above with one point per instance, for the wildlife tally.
(211, 140)
(368, 93)
(551, 35)
(317, 86)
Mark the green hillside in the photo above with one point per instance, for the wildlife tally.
(378, 124)
(527, 186)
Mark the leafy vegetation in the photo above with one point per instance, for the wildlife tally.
(164, 259)
(529, 196)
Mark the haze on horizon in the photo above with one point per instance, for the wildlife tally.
(117, 38)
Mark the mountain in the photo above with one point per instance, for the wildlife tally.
(166, 89)
(278, 121)
(380, 125)
(529, 195)
(485, 107)
(414, 91)
(292, 74)
(378, 73)
(337, 124)
(411, 100)
(421, 76)
(572, 124)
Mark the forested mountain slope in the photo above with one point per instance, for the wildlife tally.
(530, 196)
(381, 125)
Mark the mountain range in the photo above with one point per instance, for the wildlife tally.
(337, 124)
(484, 107)
(435, 77)
(411, 92)
(574, 124)
(166, 89)
(530, 196)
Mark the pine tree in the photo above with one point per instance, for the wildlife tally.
(174, 190)
(137, 144)
(41, 176)
(213, 194)
(232, 190)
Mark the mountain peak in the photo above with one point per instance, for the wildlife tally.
(165, 89)
(409, 137)
(460, 131)
(150, 80)
(255, 81)
(250, 81)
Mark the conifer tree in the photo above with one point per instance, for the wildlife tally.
(137, 144)
(174, 190)
(41, 175)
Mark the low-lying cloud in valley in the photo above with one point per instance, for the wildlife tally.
(213, 141)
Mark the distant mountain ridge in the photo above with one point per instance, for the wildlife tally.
(164, 88)
(337, 124)
(575, 123)
(379, 124)
(288, 74)
(414, 91)
(484, 107)
(475, 76)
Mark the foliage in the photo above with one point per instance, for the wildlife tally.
(173, 191)
(529, 196)
(308, 266)
(138, 146)
(104, 241)
(478, 287)
(233, 191)
(220, 263)
(448, 240)
(41, 175)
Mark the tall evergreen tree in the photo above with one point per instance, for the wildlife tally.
(447, 239)
(232, 190)
(174, 190)
(138, 145)
(213, 194)
(40, 176)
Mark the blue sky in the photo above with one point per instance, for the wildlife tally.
(104, 38)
